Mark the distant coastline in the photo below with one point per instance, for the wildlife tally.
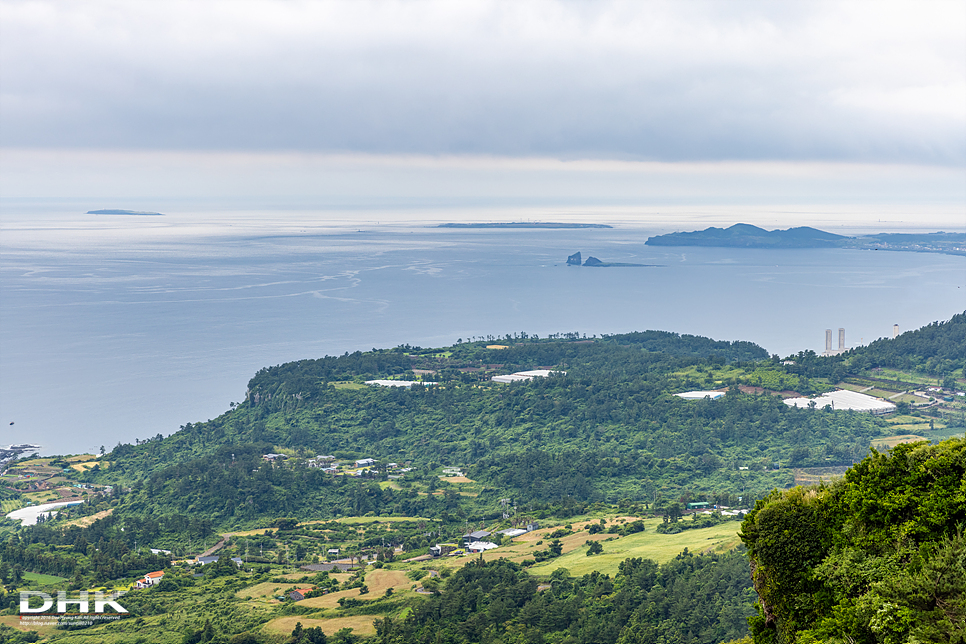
(114, 211)
(523, 224)
(748, 236)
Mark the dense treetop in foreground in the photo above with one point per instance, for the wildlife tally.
(876, 557)
(690, 599)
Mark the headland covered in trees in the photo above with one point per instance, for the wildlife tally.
(613, 504)
(116, 211)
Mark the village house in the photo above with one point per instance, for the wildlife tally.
(150, 579)
(298, 594)
(213, 558)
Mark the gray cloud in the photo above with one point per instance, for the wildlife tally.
(883, 82)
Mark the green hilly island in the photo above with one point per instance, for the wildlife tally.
(402, 495)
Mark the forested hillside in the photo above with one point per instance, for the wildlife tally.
(607, 429)
(937, 349)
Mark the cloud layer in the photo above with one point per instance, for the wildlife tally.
(870, 82)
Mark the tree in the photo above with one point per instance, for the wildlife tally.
(594, 548)
(555, 547)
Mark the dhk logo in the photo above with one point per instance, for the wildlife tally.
(81, 602)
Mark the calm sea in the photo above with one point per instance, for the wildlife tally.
(116, 328)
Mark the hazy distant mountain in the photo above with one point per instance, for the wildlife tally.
(748, 236)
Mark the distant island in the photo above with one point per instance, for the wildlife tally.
(748, 236)
(574, 260)
(523, 224)
(114, 211)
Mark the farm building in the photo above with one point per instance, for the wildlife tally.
(512, 532)
(213, 558)
(298, 594)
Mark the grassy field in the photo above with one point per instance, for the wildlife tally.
(903, 376)
(86, 521)
(80, 458)
(43, 580)
(813, 475)
(256, 531)
(356, 520)
(13, 621)
(360, 624)
(265, 591)
(377, 581)
(9, 505)
(891, 441)
(44, 496)
(456, 479)
(648, 544)
(348, 384)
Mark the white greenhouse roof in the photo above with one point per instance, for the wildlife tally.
(481, 545)
(698, 395)
(398, 383)
(842, 399)
(526, 375)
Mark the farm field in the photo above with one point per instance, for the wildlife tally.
(9, 505)
(348, 385)
(360, 624)
(88, 520)
(356, 520)
(813, 475)
(43, 580)
(648, 544)
(891, 441)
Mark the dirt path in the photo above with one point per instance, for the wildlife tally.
(218, 546)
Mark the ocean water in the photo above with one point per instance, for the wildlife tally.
(116, 328)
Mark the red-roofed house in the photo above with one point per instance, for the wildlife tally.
(150, 579)
(298, 594)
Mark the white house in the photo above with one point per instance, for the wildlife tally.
(150, 579)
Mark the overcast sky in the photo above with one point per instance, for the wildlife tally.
(798, 85)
